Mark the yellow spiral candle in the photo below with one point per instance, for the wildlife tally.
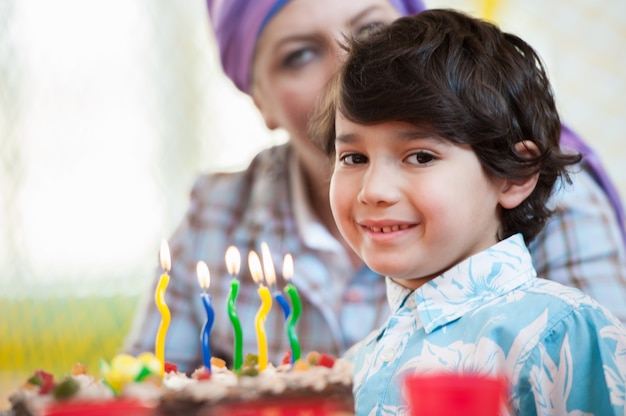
(159, 297)
(266, 304)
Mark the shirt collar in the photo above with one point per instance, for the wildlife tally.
(489, 274)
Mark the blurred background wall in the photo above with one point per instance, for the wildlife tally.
(108, 110)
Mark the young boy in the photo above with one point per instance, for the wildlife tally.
(444, 135)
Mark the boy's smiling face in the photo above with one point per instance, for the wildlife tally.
(411, 205)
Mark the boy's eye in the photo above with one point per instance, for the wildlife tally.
(421, 158)
(352, 159)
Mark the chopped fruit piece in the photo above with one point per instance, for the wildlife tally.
(143, 373)
(218, 362)
(286, 358)
(35, 380)
(301, 365)
(313, 357)
(65, 388)
(150, 362)
(326, 361)
(251, 359)
(154, 380)
(44, 380)
(28, 386)
(249, 371)
(202, 374)
(170, 367)
(79, 368)
(249, 367)
(123, 369)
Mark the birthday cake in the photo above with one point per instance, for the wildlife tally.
(316, 385)
(147, 385)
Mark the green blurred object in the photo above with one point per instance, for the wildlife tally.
(55, 333)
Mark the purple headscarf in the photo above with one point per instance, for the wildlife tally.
(593, 165)
(238, 23)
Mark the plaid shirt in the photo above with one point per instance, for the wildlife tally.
(339, 306)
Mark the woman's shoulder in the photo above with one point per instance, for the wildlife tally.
(269, 164)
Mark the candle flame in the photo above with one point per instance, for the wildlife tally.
(233, 260)
(164, 254)
(254, 263)
(268, 264)
(204, 277)
(288, 267)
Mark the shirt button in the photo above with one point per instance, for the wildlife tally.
(386, 355)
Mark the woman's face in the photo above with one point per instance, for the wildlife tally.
(298, 52)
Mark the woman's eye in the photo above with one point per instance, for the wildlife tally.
(421, 158)
(352, 159)
(369, 29)
(298, 58)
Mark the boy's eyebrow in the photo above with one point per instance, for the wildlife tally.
(404, 135)
(345, 138)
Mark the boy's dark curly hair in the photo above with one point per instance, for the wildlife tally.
(465, 80)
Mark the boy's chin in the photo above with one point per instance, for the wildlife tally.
(414, 283)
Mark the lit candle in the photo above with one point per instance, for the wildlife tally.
(159, 297)
(296, 308)
(204, 279)
(233, 263)
(266, 303)
(270, 278)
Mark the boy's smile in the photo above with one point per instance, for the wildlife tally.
(409, 203)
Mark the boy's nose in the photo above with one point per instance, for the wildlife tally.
(378, 188)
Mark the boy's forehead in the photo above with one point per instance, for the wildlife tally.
(348, 130)
(404, 129)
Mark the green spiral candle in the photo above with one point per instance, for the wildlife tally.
(296, 309)
(233, 262)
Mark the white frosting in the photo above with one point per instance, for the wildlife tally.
(222, 383)
(91, 389)
(34, 402)
(144, 392)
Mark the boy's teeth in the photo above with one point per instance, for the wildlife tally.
(389, 229)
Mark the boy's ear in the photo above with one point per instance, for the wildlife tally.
(515, 191)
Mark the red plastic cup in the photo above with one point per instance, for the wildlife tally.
(454, 394)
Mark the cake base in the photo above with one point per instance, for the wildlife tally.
(324, 403)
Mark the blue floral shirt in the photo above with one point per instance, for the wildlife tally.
(562, 353)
